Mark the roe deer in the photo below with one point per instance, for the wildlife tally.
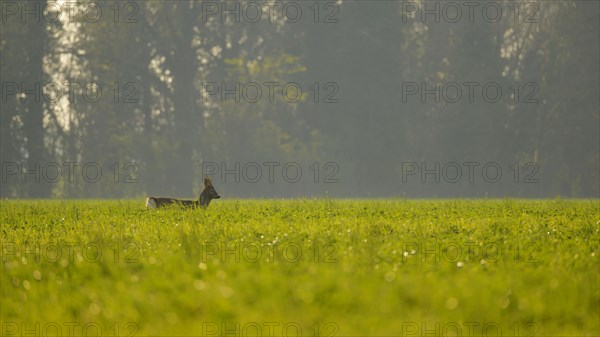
(209, 193)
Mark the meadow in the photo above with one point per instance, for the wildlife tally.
(301, 267)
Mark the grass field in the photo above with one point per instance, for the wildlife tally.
(302, 267)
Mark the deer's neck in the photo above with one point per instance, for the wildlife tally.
(204, 200)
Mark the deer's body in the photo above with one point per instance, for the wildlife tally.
(208, 194)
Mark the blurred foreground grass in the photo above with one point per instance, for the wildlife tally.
(302, 267)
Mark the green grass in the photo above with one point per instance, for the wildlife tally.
(327, 267)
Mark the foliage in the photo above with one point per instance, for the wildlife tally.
(168, 50)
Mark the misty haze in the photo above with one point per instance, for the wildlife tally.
(300, 168)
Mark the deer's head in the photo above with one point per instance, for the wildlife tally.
(209, 193)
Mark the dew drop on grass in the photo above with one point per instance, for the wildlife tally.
(226, 292)
(504, 303)
(451, 303)
(202, 265)
(523, 304)
(37, 275)
(26, 285)
(306, 296)
(460, 264)
(199, 285)
(94, 308)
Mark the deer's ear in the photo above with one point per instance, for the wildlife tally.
(207, 181)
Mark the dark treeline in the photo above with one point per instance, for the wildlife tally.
(124, 99)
